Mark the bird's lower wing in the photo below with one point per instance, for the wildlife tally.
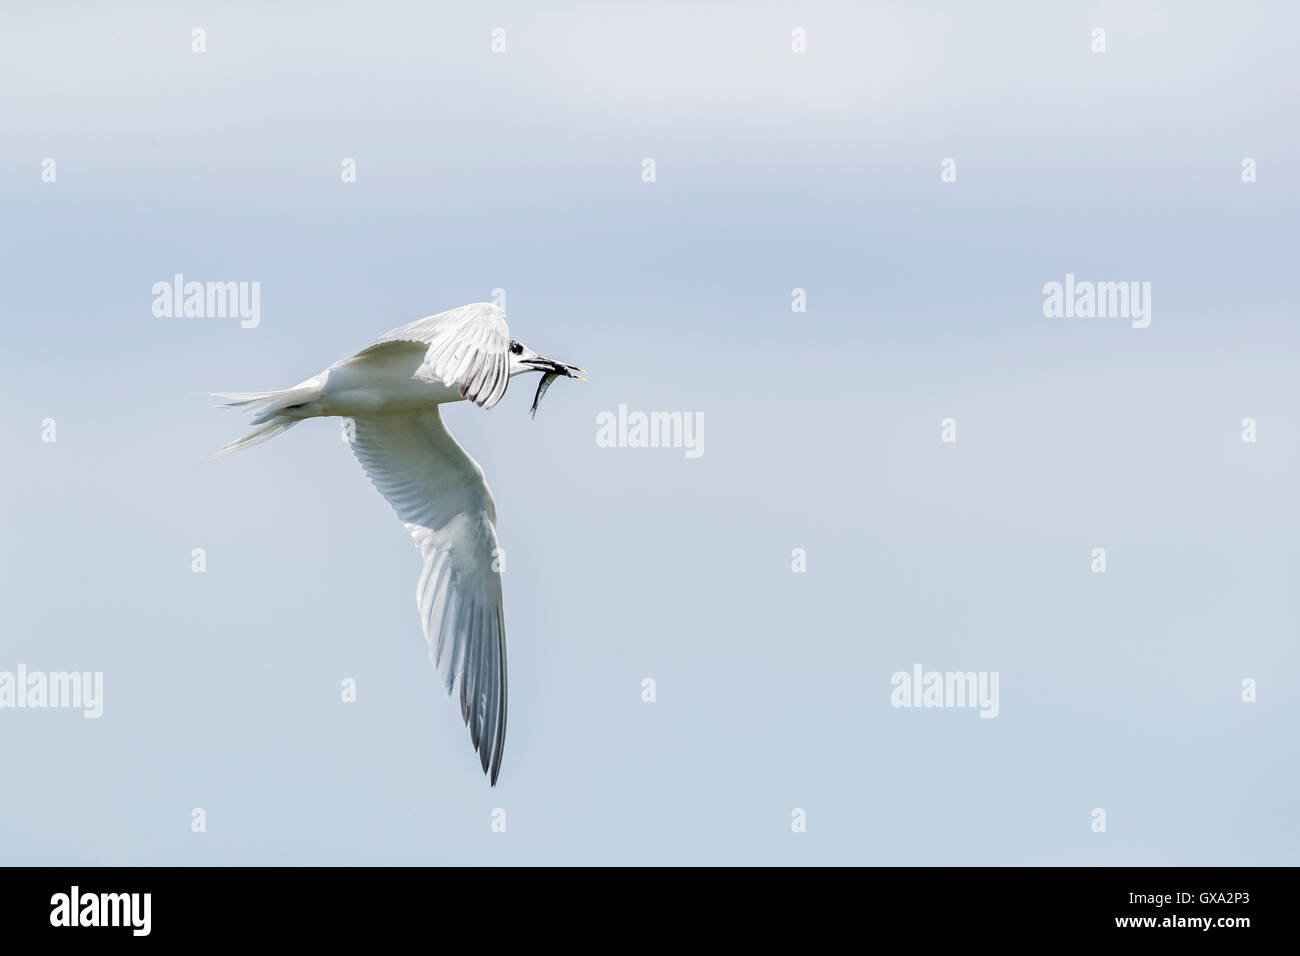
(466, 348)
(439, 492)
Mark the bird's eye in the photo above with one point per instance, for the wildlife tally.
(516, 348)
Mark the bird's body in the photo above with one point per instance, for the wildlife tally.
(380, 379)
(391, 391)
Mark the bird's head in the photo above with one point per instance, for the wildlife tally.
(524, 359)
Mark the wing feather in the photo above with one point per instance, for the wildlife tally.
(467, 349)
(439, 493)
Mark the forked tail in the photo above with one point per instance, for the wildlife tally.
(267, 409)
(258, 434)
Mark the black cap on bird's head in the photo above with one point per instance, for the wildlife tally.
(524, 359)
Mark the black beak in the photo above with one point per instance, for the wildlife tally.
(552, 367)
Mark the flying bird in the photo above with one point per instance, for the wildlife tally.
(391, 390)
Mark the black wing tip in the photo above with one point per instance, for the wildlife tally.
(489, 761)
(491, 766)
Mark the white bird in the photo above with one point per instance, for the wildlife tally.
(392, 390)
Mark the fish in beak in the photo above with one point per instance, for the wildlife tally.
(551, 370)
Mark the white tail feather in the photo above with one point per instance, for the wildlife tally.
(264, 405)
(270, 412)
(258, 434)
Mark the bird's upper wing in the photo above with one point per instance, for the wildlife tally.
(439, 492)
(467, 348)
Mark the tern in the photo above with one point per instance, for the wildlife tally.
(391, 391)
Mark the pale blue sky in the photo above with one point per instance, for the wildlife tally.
(774, 171)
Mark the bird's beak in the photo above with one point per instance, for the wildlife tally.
(554, 367)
